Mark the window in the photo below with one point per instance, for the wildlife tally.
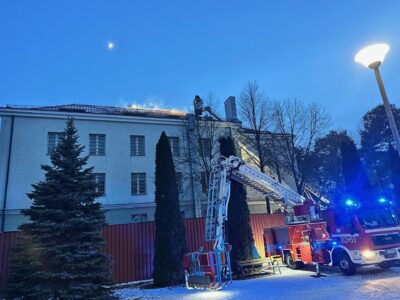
(203, 182)
(53, 138)
(204, 147)
(380, 217)
(97, 146)
(174, 144)
(100, 183)
(138, 218)
(138, 183)
(179, 183)
(137, 145)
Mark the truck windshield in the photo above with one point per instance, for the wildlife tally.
(379, 217)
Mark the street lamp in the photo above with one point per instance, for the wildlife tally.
(372, 57)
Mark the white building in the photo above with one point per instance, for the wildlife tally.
(121, 144)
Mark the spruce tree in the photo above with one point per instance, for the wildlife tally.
(395, 173)
(239, 232)
(376, 136)
(62, 246)
(355, 178)
(170, 239)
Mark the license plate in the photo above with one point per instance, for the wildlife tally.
(390, 253)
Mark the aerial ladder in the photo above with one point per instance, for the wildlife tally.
(212, 269)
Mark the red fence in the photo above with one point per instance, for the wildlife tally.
(7, 240)
(131, 246)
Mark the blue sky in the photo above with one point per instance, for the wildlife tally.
(55, 52)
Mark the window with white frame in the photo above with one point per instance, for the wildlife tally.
(138, 183)
(203, 182)
(100, 183)
(97, 144)
(179, 182)
(174, 144)
(138, 218)
(137, 145)
(204, 145)
(53, 139)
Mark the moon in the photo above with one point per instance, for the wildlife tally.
(110, 45)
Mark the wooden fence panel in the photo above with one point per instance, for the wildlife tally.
(131, 246)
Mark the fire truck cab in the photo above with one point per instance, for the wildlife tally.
(348, 236)
(364, 235)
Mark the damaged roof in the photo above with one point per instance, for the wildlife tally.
(105, 110)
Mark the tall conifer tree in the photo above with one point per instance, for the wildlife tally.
(354, 175)
(395, 173)
(61, 256)
(170, 239)
(239, 231)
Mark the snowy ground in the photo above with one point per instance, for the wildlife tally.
(369, 283)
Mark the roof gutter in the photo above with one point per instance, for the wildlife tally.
(3, 211)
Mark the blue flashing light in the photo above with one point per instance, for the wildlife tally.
(334, 243)
(382, 200)
(280, 247)
(349, 202)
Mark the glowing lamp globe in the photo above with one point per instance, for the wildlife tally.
(372, 56)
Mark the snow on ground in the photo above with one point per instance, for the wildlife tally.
(368, 283)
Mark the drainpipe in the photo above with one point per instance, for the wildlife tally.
(3, 211)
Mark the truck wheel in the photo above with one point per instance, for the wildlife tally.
(346, 265)
(293, 264)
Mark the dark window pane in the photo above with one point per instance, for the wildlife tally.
(203, 182)
(137, 145)
(204, 145)
(138, 218)
(138, 183)
(53, 138)
(179, 183)
(100, 183)
(174, 144)
(97, 144)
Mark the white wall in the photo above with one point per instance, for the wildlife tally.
(29, 151)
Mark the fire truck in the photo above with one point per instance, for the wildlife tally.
(347, 236)
(212, 269)
(367, 234)
(360, 235)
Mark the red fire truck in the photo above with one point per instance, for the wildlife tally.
(212, 269)
(305, 238)
(360, 235)
(348, 236)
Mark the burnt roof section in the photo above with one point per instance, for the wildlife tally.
(105, 110)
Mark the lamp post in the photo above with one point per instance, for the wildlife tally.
(372, 57)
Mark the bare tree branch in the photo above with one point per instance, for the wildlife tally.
(301, 124)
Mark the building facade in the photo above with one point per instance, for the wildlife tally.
(121, 146)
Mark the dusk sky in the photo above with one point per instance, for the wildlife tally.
(165, 52)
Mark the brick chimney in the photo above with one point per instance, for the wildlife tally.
(230, 110)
